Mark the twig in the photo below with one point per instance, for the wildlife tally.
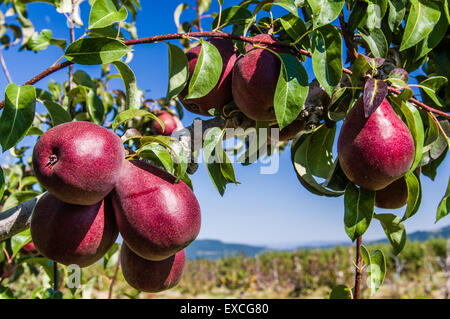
(351, 52)
(439, 125)
(358, 273)
(5, 68)
(72, 39)
(113, 281)
(423, 105)
(175, 36)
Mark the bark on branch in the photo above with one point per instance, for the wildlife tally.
(175, 36)
(16, 219)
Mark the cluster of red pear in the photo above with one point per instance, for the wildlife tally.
(94, 194)
(374, 152)
(250, 80)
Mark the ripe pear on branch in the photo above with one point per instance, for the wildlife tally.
(377, 150)
(78, 162)
(156, 216)
(220, 95)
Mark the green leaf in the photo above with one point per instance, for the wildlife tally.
(376, 271)
(397, 10)
(28, 181)
(42, 261)
(104, 13)
(178, 72)
(360, 66)
(158, 155)
(17, 115)
(444, 206)
(57, 113)
(431, 85)
(40, 41)
(394, 229)
(34, 131)
(435, 36)
(341, 292)
(131, 114)
(325, 11)
(415, 125)
(207, 71)
(20, 240)
(203, 5)
(291, 91)
(129, 79)
(80, 77)
(236, 15)
(299, 152)
(414, 195)
(295, 28)
(6, 293)
(320, 153)
(214, 157)
(327, 57)
(359, 206)
(376, 9)
(422, 18)
(286, 4)
(377, 42)
(18, 198)
(177, 13)
(94, 105)
(91, 51)
(176, 149)
(111, 258)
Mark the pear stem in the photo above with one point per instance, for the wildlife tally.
(113, 281)
(358, 273)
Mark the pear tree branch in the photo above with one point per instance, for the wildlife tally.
(17, 219)
(176, 36)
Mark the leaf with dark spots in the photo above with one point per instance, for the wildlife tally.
(374, 62)
(400, 73)
(374, 93)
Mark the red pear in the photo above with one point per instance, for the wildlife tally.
(221, 95)
(73, 234)
(375, 151)
(255, 77)
(151, 276)
(394, 196)
(156, 216)
(170, 125)
(78, 162)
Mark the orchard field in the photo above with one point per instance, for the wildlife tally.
(422, 270)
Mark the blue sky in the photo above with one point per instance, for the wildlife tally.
(272, 210)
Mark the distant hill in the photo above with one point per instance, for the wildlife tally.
(425, 235)
(215, 249)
